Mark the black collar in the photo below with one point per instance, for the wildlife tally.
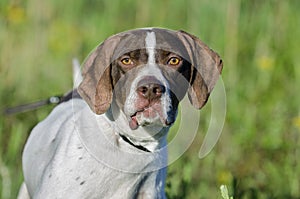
(136, 146)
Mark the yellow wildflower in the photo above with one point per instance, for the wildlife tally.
(15, 14)
(224, 177)
(265, 62)
(296, 122)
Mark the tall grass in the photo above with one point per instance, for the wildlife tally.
(258, 153)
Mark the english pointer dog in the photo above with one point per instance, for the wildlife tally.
(109, 139)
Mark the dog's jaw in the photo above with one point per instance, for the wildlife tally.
(151, 137)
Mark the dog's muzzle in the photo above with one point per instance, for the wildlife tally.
(151, 94)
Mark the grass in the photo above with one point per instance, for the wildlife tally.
(224, 192)
(258, 153)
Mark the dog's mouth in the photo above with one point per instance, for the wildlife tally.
(147, 117)
(133, 123)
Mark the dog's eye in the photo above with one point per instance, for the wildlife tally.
(126, 61)
(174, 61)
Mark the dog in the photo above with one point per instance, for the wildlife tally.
(110, 140)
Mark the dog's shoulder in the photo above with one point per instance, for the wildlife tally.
(44, 148)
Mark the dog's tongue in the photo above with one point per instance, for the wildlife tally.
(133, 124)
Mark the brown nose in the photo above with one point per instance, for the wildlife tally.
(151, 91)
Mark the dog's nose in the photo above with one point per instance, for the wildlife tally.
(151, 91)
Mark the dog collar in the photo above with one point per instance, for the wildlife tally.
(132, 144)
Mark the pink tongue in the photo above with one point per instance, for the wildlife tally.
(133, 123)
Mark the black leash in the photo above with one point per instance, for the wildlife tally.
(35, 105)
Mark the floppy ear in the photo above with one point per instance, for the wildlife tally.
(206, 68)
(96, 86)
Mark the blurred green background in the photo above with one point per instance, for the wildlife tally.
(257, 155)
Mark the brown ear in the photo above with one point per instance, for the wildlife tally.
(96, 86)
(207, 66)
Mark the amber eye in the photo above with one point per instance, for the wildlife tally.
(126, 61)
(174, 61)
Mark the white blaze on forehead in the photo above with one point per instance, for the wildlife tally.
(150, 46)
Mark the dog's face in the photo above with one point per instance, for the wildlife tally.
(149, 88)
(146, 73)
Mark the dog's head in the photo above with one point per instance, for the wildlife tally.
(146, 72)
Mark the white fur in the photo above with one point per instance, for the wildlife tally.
(150, 46)
(75, 153)
(77, 76)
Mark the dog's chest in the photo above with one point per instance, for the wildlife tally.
(67, 168)
(81, 176)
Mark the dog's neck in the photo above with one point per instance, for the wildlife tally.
(146, 138)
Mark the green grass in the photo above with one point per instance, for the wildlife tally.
(258, 153)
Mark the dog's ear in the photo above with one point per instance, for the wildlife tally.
(96, 86)
(206, 68)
